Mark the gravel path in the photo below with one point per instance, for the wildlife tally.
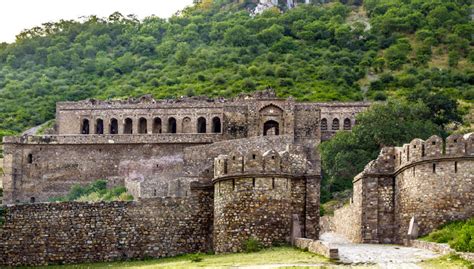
(385, 256)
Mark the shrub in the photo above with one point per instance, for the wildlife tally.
(95, 192)
(458, 234)
(196, 257)
(252, 245)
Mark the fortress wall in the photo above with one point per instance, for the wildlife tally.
(430, 180)
(58, 233)
(433, 197)
(259, 208)
(42, 171)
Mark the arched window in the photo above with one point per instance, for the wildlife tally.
(172, 125)
(99, 126)
(113, 126)
(324, 124)
(271, 127)
(347, 124)
(201, 125)
(128, 126)
(157, 126)
(335, 124)
(142, 128)
(85, 126)
(216, 125)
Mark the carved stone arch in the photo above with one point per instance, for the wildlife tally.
(99, 126)
(271, 119)
(347, 124)
(85, 126)
(201, 125)
(324, 124)
(335, 124)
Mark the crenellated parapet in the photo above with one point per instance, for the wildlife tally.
(392, 160)
(290, 162)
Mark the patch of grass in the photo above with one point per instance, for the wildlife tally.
(447, 262)
(458, 234)
(252, 245)
(276, 255)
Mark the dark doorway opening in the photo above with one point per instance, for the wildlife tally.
(201, 125)
(172, 125)
(85, 126)
(128, 126)
(99, 127)
(216, 125)
(271, 127)
(113, 126)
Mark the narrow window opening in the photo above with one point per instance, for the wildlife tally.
(347, 124)
(422, 150)
(413, 171)
(128, 126)
(30, 158)
(253, 157)
(455, 140)
(172, 125)
(233, 184)
(273, 157)
(335, 124)
(216, 125)
(273, 183)
(324, 124)
(154, 192)
(433, 143)
(85, 126)
(157, 126)
(253, 182)
(113, 126)
(201, 125)
(99, 128)
(142, 126)
(434, 168)
(32, 200)
(455, 167)
(225, 166)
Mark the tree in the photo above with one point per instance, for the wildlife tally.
(237, 36)
(384, 124)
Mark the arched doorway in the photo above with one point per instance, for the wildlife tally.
(99, 126)
(216, 125)
(201, 125)
(271, 127)
(128, 126)
(142, 126)
(157, 126)
(113, 126)
(172, 125)
(85, 126)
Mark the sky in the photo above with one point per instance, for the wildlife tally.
(17, 15)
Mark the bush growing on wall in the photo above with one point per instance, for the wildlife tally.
(95, 192)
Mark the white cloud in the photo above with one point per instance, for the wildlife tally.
(17, 15)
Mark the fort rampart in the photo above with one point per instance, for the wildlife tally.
(431, 181)
(56, 233)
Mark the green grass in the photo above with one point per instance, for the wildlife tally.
(446, 262)
(458, 234)
(276, 255)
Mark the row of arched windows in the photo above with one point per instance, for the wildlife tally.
(157, 126)
(336, 125)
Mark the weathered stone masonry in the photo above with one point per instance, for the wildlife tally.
(167, 148)
(432, 181)
(49, 233)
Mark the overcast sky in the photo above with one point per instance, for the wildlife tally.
(17, 15)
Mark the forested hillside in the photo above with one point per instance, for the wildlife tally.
(332, 51)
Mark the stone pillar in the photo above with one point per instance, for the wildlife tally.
(106, 125)
(135, 124)
(149, 125)
(312, 206)
(120, 123)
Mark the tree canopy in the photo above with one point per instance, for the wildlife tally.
(217, 48)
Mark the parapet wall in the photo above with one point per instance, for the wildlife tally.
(57, 233)
(431, 181)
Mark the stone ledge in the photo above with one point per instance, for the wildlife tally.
(319, 247)
(443, 249)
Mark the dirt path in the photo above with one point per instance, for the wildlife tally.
(385, 256)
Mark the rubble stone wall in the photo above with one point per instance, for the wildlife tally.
(432, 181)
(58, 233)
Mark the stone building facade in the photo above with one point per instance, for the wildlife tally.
(252, 159)
(430, 181)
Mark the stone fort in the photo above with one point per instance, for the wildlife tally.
(209, 174)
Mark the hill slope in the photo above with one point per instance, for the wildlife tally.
(313, 52)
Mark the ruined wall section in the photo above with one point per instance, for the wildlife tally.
(58, 233)
(36, 172)
(256, 196)
(430, 180)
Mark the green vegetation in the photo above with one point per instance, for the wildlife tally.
(459, 235)
(315, 52)
(447, 262)
(252, 245)
(385, 124)
(95, 192)
(277, 255)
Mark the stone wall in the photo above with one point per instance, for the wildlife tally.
(37, 172)
(57, 233)
(432, 181)
(259, 208)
